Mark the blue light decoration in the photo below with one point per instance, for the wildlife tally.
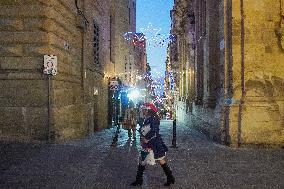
(162, 40)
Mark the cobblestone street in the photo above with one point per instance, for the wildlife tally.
(94, 163)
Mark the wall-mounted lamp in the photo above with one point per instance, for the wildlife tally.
(81, 13)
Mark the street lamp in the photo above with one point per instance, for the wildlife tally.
(134, 94)
(81, 13)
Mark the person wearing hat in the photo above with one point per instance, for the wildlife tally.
(150, 140)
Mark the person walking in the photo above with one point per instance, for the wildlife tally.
(130, 121)
(150, 139)
(141, 116)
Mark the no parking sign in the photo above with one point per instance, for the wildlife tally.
(50, 64)
(113, 85)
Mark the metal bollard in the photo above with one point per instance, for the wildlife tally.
(174, 141)
(115, 138)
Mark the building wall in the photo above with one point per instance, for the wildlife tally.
(129, 60)
(258, 61)
(208, 103)
(98, 12)
(238, 70)
(181, 54)
(28, 31)
(122, 25)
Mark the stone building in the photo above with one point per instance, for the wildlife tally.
(181, 55)
(129, 59)
(231, 65)
(75, 102)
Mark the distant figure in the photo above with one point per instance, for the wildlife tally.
(152, 144)
(169, 115)
(130, 121)
(141, 117)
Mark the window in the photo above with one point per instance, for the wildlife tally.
(111, 39)
(96, 43)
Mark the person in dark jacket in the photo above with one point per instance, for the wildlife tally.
(151, 140)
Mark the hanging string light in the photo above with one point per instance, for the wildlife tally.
(151, 36)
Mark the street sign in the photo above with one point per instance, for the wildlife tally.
(50, 65)
(113, 85)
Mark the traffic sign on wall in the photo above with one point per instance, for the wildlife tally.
(50, 64)
(113, 85)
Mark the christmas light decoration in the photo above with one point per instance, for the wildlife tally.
(151, 36)
(137, 39)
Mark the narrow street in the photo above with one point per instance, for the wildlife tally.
(70, 70)
(93, 163)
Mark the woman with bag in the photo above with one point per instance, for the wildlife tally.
(153, 147)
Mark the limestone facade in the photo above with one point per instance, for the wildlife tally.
(235, 48)
(79, 94)
(129, 59)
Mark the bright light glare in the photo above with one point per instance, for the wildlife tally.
(133, 94)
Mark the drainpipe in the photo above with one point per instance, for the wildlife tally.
(84, 30)
(242, 73)
(228, 69)
(84, 73)
(49, 110)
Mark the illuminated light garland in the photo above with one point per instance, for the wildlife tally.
(153, 84)
(158, 74)
(137, 39)
(150, 31)
(151, 36)
(161, 40)
(154, 38)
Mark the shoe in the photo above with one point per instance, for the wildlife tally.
(137, 182)
(168, 172)
(139, 176)
(170, 181)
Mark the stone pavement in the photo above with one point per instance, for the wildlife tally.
(93, 163)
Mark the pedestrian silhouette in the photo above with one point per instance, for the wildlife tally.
(130, 121)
